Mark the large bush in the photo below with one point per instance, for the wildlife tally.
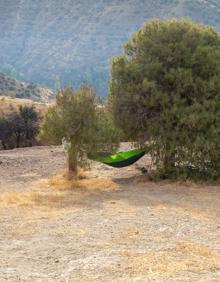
(165, 92)
(19, 128)
(87, 126)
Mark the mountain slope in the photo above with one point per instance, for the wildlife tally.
(75, 40)
(10, 87)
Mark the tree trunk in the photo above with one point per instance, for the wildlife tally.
(169, 160)
(18, 140)
(72, 162)
(26, 137)
(4, 145)
(168, 156)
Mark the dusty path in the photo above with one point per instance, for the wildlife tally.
(114, 227)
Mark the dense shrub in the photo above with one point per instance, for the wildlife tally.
(165, 92)
(19, 128)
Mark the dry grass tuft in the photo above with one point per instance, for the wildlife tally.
(18, 198)
(98, 184)
(194, 249)
(184, 257)
(61, 192)
(63, 182)
(27, 199)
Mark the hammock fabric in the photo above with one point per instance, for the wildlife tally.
(121, 159)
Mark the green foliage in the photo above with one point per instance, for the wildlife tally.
(87, 126)
(106, 135)
(19, 129)
(165, 91)
(30, 125)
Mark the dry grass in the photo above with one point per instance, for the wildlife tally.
(186, 256)
(56, 192)
(200, 250)
(24, 199)
(196, 213)
(9, 105)
(62, 182)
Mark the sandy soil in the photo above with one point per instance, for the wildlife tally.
(113, 225)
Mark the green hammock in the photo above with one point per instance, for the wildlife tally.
(121, 159)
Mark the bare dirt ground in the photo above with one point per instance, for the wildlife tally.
(113, 225)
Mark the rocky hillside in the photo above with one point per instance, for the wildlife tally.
(17, 89)
(73, 41)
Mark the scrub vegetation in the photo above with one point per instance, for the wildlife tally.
(19, 127)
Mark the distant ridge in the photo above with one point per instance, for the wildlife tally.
(74, 41)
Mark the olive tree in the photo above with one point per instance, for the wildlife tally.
(165, 92)
(77, 118)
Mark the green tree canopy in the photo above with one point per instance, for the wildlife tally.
(88, 127)
(30, 120)
(165, 91)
